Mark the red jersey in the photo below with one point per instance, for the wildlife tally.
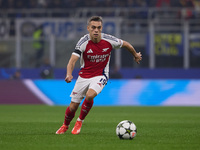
(95, 57)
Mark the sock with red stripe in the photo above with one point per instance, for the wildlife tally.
(68, 116)
(85, 108)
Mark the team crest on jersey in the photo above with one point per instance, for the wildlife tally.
(105, 49)
(90, 51)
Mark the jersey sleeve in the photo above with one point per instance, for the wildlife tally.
(115, 42)
(80, 46)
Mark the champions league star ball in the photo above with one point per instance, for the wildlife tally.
(126, 130)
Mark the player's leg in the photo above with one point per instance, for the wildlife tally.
(87, 103)
(77, 95)
(69, 115)
(85, 108)
(96, 86)
(70, 112)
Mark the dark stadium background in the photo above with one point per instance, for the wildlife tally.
(167, 32)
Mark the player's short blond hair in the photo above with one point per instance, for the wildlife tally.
(95, 18)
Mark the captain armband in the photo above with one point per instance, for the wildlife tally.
(77, 53)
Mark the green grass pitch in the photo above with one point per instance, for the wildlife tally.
(33, 127)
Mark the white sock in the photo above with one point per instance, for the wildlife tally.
(79, 119)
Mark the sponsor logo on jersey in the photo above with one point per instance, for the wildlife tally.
(98, 58)
(105, 49)
(90, 51)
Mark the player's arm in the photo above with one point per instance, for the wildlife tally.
(130, 48)
(70, 68)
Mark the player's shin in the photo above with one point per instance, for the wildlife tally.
(69, 115)
(85, 108)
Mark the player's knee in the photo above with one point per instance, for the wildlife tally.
(73, 106)
(90, 96)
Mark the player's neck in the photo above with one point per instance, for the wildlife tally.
(96, 40)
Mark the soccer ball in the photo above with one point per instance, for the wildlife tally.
(126, 130)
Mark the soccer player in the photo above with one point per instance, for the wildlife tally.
(94, 51)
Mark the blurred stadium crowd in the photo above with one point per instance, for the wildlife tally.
(169, 20)
(61, 4)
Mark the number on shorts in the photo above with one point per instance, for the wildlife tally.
(103, 81)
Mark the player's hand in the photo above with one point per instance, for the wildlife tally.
(68, 78)
(138, 57)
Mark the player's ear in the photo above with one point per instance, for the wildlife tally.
(88, 28)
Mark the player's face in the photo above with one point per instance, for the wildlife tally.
(95, 29)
